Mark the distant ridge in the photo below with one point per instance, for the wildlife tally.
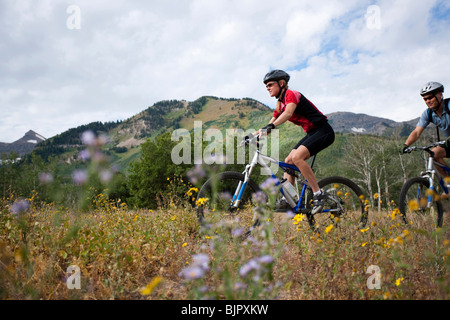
(24, 145)
(348, 122)
(126, 136)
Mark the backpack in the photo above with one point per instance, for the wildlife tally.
(430, 117)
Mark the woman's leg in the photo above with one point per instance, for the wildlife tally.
(299, 157)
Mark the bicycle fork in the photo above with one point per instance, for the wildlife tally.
(237, 197)
(430, 174)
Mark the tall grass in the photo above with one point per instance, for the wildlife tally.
(163, 254)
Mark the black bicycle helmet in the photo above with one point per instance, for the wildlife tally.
(431, 88)
(276, 75)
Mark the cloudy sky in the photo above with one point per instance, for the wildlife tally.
(68, 63)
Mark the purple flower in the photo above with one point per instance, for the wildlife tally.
(266, 259)
(249, 266)
(88, 138)
(198, 267)
(192, 273)
(20, 206)
(45, 177)
(84, 155)
(259, 197)
(237, 232)
(80, 177)
(270, 185)
(195, 174)
(105, 176)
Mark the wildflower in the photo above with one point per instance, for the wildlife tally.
(45, 177)
(237, 232)
(270, 185)
(198, 267)
(376, 196)
(151, 286)
(398, 281)
(364, 244)
(364, 230)
(395, 212)
(413, 205)
(259, 197)
(328, 229)
(80, 177)
(298, 218)
(201, 201)
(195, 174)
(88, 138)
(105, 176)
(266, 259)
(84, 155)
(19, 207)
(184, 244)
(190, 191)
(249, 266)
(192, 273)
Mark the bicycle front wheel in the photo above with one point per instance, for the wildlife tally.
(214, 203)
(414, 204)
(343, 205)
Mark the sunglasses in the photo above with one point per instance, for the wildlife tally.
(270, 85)
(428, 98)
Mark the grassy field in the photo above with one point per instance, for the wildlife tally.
(163, 254)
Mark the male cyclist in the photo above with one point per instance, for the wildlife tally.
(437, 113)
(294, 107)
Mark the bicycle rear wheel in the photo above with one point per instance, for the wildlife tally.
(343, 205)
(413, 203)
(214, 201)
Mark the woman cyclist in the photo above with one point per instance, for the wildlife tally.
(295, 107)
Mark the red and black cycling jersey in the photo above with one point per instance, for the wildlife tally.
(305, 115)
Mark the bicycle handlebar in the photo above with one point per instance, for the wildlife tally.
(250, 138)
(427, 148)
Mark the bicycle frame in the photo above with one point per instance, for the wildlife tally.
(431, 173)
(261, 159)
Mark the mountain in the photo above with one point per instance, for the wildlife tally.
(348, 122)
(24, 145)
(126, 136)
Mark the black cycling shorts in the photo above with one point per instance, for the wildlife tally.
(317, 139)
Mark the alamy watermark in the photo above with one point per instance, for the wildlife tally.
(374, 281)
(73, 21)
(373, 18)
(74, 277)
(186, 152)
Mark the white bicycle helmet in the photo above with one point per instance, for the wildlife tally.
(431, 88)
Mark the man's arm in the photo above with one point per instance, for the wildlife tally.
(414, 135)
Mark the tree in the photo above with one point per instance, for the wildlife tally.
(148, 177)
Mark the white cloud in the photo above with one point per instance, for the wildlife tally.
(128, 55)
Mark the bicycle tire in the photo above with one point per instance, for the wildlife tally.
(344, 205)
(218, 191)
(417, 189)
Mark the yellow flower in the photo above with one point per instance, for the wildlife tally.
(376, 196)
(201, 201)
(364, 230)
(398, 281)
(328, 229)
(413, 205)
(298, 218)
(184, 244)
(148, 289)
(191, 190)
(364, 244)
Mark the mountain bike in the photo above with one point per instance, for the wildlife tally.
(421, 196)
(231, 196)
